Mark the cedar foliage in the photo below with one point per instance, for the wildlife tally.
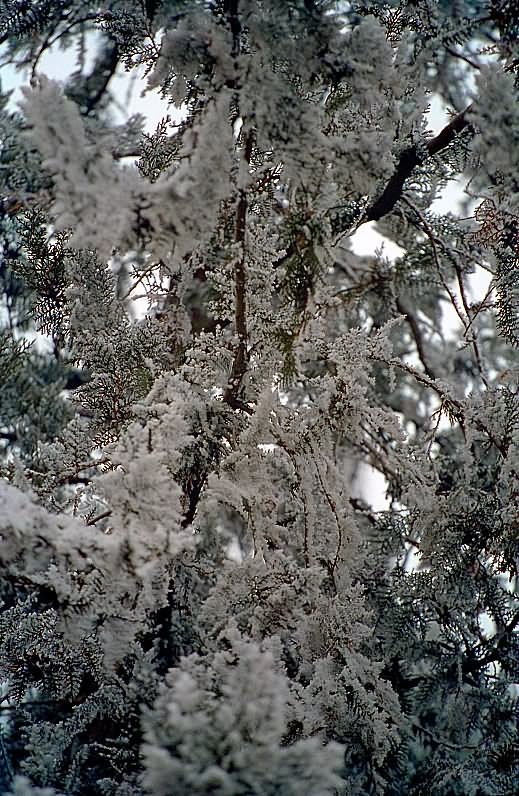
(196, 593)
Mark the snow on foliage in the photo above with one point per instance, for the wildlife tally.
(198, 594)
(219, 725)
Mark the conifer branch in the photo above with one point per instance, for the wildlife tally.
(440, 742)
(225, 540)
(96, 83)
(502, 637)
(409, 159)
(193, 493)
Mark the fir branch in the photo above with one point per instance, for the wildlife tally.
(475, 663)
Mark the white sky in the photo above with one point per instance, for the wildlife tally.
(128, 88)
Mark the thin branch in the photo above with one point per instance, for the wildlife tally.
(440, 742)
(467, 308)
(99, 517)
(433, 240)
(50, 40)
(463, 57)
(465, 316)
(66, 479)
(483, 305)
(456, 407)
(412, 321)
(333, 509)
(140, 279)
(377, 459)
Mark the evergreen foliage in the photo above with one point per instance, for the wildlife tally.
(198, 593)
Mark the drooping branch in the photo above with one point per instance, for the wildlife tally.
(421, 347)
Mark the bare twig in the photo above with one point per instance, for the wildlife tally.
(412, 321)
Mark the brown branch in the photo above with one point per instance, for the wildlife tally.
(99, 517)
(239, 365)
(289, 252)
(97, 81)
(410, 158)
(449, 132)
